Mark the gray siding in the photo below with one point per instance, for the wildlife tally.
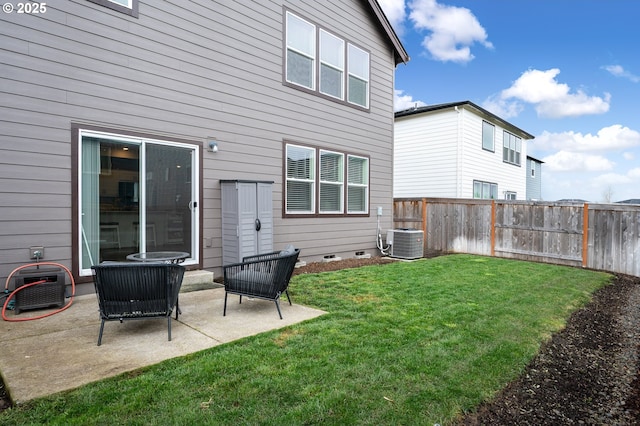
(534, 183)
(211, 69)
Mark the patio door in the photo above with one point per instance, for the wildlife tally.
(136, 195)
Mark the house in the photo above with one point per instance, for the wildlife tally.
(123, 119)
(534, 179)
(458, 150)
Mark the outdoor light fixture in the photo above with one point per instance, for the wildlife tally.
(213, 146)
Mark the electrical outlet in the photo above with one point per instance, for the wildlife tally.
(36, 252)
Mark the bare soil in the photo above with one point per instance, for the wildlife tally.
(587, 374)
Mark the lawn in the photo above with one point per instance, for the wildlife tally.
(402, 343)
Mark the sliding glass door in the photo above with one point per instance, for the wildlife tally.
(136, 195)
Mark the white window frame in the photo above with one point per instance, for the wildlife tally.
(309, 180)
(361, 75)
(510, 195)
(130, 8)
(511, 148)
(338, 66)
(354, 65)
(485, 190)
(315, 181)
(488, 141)
(337, 184)
(311, 54)
(142, 142)
(358, 182)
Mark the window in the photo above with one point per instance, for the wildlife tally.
(485, 190)
(488, 131)
(341, 182)
(128, 7)
(135, 194)
(358, 186)
(301, 51)
(512, 146)
(358, 76)
(300, 179)
(533, 169)
(509, 195)
(331, 182)
(331, 65)
(336, 65)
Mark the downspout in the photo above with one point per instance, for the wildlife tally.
(459, 152)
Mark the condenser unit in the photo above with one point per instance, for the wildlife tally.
(406, 243)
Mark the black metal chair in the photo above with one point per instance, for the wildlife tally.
(128, 291)
(263, 276)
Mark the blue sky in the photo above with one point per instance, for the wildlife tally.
(565, 71)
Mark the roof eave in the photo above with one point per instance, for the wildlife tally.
(400, 54)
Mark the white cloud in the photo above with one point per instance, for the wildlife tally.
(553, 99)
(503, 108)
(550, 98)
(619, 71)
(629, 156)
(615, 137)
(395, 10)
(565, 161)
(453, 30)
(402, 102)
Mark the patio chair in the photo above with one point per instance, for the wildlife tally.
(128, 291)
(262, 276)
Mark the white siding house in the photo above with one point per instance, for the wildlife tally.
(458, 150)
(534, 178)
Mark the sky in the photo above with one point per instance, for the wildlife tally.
(565, 71)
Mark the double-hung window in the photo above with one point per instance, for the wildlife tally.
(331, 65)
(331, 182)
(340, 180)
(358, 184)
(512, 147)
(319, 61)
(300, 190)
(301, 52)
(358, 76)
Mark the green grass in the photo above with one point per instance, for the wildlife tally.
(402, 344)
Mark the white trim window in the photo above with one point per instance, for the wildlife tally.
(358, 85)
(331, 65)
(300, 189)
(488, 136)
(358, 184)
(512, 148)
(331, 182)
(485, 190)
(301, 52)
(336, 65)
(325, 182)
(510, 195)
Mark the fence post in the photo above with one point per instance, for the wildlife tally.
(424, 225)
(585, 234)
(493, 228)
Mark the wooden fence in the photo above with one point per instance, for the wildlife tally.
(598, 236)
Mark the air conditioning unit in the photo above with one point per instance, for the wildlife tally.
(406, 243)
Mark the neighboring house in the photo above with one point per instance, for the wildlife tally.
(458, 150)
(534, 178)
(120, 119)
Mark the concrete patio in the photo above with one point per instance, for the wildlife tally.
(60, 352)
